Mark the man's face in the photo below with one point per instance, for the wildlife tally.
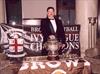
(50, 13)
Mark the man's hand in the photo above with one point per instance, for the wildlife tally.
(52, 37)
(63, 45)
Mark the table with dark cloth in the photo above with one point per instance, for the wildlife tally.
(55, 67)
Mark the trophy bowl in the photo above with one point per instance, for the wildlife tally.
(52, 45)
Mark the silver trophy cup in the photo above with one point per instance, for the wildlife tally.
(52, 45)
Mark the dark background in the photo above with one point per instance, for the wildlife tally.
(66, 10)
(13, 11)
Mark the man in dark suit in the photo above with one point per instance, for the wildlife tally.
(52, 26)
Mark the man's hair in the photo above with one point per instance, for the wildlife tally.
(50, 8)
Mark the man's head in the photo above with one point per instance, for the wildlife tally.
(50, 12)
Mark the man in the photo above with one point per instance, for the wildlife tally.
(52, 26)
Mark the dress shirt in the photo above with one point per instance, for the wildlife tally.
(53, 22)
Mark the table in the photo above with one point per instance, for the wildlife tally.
(6, 67)
(55, 67)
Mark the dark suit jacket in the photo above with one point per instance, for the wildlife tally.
(47, 29)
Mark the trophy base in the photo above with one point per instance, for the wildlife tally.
(53, 57)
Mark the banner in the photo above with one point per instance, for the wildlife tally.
(72, 33)
(12, 41)
(31, 38)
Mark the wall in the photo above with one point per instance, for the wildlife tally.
(2, 11)
(30, 8)
(84, 10)
(98, 33)
(36, 8)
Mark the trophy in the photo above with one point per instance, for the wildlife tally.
(52, 45)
